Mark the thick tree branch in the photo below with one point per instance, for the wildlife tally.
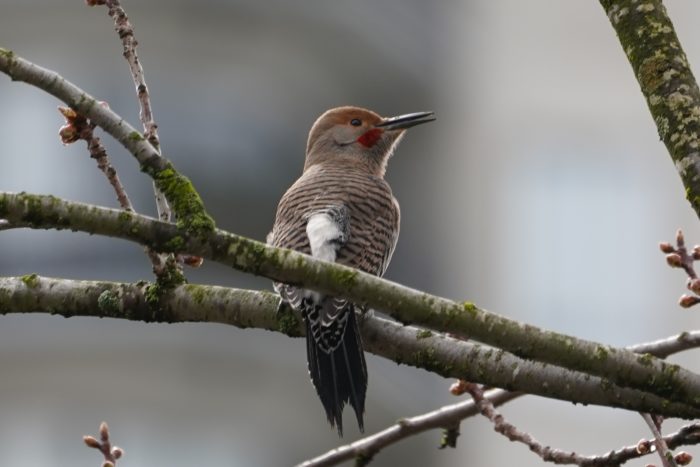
(185, 303)
(662, 69)
(244, 308)
(409, 345)
(178, 190)
(616, 366)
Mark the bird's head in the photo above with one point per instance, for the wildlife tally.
(357, 135)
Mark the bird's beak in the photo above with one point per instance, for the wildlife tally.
(406, 121)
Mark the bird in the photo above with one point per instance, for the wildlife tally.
(341, 209)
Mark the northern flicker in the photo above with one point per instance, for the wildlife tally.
(341, 210)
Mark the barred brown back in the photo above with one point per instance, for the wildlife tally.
(374, 215)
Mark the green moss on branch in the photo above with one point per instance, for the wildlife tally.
(31, 280)
(178, 190)
(184, 200)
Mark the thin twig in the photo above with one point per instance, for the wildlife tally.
(688, 435)
(78, 127)
(125, 30)
(661, 446)
(150, 129)
(99, 153)
(662, 348)
(126, 33)
(364, 449)
(514, 434)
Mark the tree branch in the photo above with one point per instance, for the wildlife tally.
(616, 366)
(669, 87)
(178, 190)
(409, 345)
(164, 266)
(126, 33)
(662, 348)
(688, 435)
(366, 448)
(661, 446)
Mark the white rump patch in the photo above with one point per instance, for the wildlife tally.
(323, 233)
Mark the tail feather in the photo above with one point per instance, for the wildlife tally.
(340, 375)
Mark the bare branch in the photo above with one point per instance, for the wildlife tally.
(617, 366)
(662, 348)
(20, 69)
(448, 357)
(126, 33)
(659, 442)
(689, 434)
(178, 190)
(99, 153)
(78, 127)
(366, 448)
(509, 430)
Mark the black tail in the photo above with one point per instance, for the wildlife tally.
(339, 376)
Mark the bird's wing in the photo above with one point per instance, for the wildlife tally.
(377, 239)
(313, 224)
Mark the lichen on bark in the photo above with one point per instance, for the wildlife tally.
(666, 80)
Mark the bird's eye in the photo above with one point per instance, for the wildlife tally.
(355, 122)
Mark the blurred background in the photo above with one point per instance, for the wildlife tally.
(541, 192)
